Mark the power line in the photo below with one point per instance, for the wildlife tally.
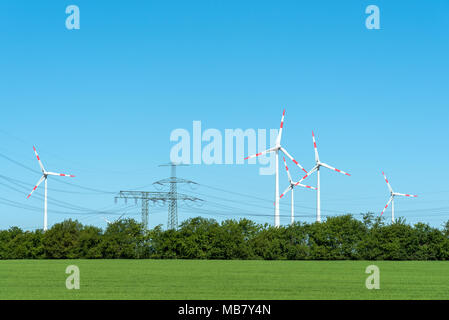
(18, 163)
(18, 185)
(257, 198)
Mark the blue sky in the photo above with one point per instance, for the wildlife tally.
(101, 102)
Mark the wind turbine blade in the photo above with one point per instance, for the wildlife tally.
(388, 183)
(259, 154)
(278, 140)
(288, 172)
(37, 185)
(307, 175)
(291, 158)
(388, 203)
(305, 186)
(285, 191)
(317, 158)
(38, 159)
(405, 195)
(332, 168)
(60, 174)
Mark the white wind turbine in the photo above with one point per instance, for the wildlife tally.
(291, 188)
(45, 174)
(110, 222)
(318, 165)
(392, 195)
(276, 150)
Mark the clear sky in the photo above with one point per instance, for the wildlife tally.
(100, 103)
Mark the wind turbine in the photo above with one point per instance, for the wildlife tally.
(276, 150)
(109, 222)
(44, 177)
(392, 195)
(290, 188)
(106, 220)
(318, 165)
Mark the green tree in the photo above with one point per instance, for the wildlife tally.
(61, 241)
(196, 235)
(90, 239)
(269, 244)
(124, 239)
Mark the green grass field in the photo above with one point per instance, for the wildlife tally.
(185, 279)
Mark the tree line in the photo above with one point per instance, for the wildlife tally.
(338, 238)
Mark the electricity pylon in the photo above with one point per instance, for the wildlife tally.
(173, 195)
(147, 196)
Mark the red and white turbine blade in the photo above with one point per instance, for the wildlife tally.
(388, 203)
(307, 175)
(60, 174)
(37, 185)
(285, 191)
(317, 158)
(278, 140)
(332, 168)
(405, 195)
(38, 159)
(305, 186)
(259, 154)
(288, 172)
(291, 158)
(388, 183)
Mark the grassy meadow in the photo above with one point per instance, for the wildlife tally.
(216, 279)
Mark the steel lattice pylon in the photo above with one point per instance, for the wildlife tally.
(147, 196)
(173, 205)
(173, 195)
